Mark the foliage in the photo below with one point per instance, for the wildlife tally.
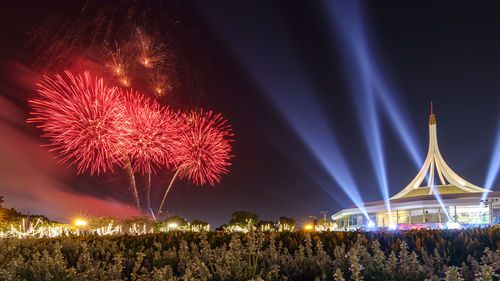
(243, 219)
(286, 224)
(438, 255)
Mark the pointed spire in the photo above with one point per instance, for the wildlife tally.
(434, 165)
(432, 118)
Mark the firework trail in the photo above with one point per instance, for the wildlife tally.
(151, 51)
(203, 149)
(126, 43)
(82, 118)
(149, 134)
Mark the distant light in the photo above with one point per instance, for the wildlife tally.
(453, 225)
(371, 224)
(172, 225)
(80, 222)
(392, 226)
(308, 227)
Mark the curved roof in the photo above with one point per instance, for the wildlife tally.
(433, 167)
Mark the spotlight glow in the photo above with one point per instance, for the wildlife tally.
(453, 225)
(400, 122)
(440, 200)
(361, 75)
(347, 18)
(273, 69)
(494, 166)
(80, 222)
(392, 226)
(371, 224)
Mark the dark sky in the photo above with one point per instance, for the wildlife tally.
(282, 73)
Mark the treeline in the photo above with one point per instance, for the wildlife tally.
(413, 255)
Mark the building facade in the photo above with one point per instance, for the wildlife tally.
(425, 204)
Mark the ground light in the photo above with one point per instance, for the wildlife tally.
(308, 227)
(80, 222)
(392, 226)
(453, 225)
(494, 167)
(440, 200)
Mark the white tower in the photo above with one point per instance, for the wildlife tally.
(434, 161)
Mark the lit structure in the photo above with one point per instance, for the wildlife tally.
(423, 203)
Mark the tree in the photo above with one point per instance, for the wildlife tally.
(243, 219)
(266, 225)
(172, 223)
(286, 224)
(197, 225)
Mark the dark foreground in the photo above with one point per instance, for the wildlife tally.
(413, 255)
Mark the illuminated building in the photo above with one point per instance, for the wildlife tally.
(423, 203)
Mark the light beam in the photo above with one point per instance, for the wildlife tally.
(494, 166)
(273, 64)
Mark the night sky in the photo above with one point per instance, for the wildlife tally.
(284, 74)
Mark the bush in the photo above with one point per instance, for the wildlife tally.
(413, 255)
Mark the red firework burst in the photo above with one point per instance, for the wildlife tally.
(82, 117)
(150, 130)
(204, 147)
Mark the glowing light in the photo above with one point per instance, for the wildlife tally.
(139, 230)
(440, 201)
(371, 224)
(453, 225)
(361, 76)
(172, 225)
(151, 50)
(297, 102)
(80, 222)
(308, 227)
(494, 166)
(392, 226)
(399, 121)
(125, 82)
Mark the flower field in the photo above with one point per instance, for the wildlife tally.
(471, 254)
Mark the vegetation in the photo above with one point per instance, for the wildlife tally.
(413, 255)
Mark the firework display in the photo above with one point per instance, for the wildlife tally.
(127, 46)
(149, 133)
(96, 127)
(82, 117)
(124, 118)
(204, 147)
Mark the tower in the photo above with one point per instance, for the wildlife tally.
(434, 164)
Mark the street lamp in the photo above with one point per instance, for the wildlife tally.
(80, 222)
